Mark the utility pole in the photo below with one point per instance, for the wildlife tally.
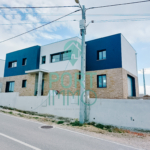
(83, 68)
(144, 82)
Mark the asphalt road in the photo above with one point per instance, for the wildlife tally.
(21, 134)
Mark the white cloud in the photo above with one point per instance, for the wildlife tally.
(147, 71)
(141, 90)
(133, 31)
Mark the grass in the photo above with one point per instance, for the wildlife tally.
(36, 117)
(76, 123)
(10, 112)
(60, 122)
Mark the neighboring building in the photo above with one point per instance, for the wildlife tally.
(2, 65)
(112, 60)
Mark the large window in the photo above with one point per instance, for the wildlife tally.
(10, 86)
(24, 83)
(24, 61)
(101, 81)
(12, 64)
(61, 56)
(101, 55)
(43, 59)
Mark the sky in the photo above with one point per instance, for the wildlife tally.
(17, 21)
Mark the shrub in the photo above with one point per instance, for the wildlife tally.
(60, 122)
(76, 123)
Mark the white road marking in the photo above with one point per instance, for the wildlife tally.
(18, 141)
(76, 133)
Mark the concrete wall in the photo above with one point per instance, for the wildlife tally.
(42, 104)
(122, 113)
(57, 47)
(129, 61)
(129, 113)
(2, 65)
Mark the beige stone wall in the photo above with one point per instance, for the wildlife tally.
(114, 88)
(66, 80)
(28, 91)
(117, 84)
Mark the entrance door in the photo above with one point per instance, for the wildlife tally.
(131, 86)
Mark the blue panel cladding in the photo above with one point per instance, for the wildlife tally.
(32, 54)
(112, 45)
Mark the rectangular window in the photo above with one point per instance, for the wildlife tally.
(24, 61)
(10, 86)
(101, 55)
(61, 56)
(24, 83)
(101, 81)
(55, 58)
(12, 64)
(66, 55)
(43, 59)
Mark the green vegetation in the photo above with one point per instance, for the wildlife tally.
(10, 112)
(76, 123)
(60, 122)
(36, 117)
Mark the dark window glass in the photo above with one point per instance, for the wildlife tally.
(102, 55)
(24, 83)
(24, 61)
(101, 81)
(66, 55)
(43, 59)
(61, 56)
(12, 64)
(55, 58)
(10, 86)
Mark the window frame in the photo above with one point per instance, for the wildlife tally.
(25, 61)
(8, 87)
(11, 63)
(23, 84)
(102, 81)
(42, 60)
(60, 56)
(98, 59)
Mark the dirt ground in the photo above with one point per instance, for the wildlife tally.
(140, 140)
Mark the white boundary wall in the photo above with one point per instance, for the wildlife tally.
(133, 114)
(122, 113)
(41, 104)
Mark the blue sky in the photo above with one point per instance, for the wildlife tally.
(136, 32)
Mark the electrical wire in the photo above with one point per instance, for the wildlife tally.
(37, 22)
(95, 15)
(118, 4)
(36, 7)
(40, 26)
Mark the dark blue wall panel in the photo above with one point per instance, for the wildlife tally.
(33, 56)
(112, 44)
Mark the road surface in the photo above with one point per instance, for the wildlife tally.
(22, 134)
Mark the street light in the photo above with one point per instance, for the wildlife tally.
(77, 1)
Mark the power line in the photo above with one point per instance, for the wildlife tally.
(95, 21)
(118, 4)
(40, 26)
(38, 22)
(36, 7)
(47, 14)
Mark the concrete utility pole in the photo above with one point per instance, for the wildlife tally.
(83, 63)
(144, 82)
